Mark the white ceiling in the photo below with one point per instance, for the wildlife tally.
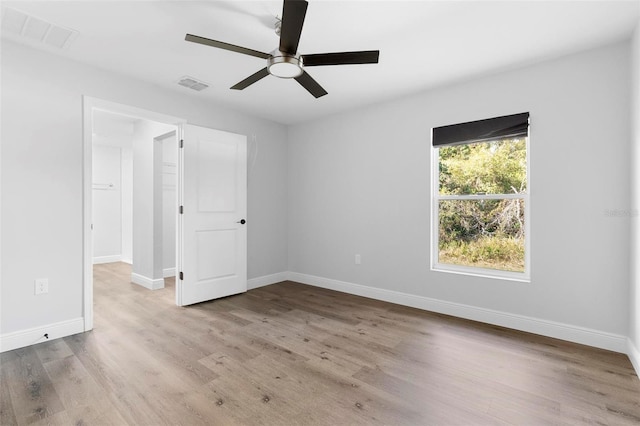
(422, 44)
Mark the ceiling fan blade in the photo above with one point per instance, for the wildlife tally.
(293, 13)
(225, 46)
(341, 58)
(311, 85)
(251, 79)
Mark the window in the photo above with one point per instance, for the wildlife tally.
(481, 197)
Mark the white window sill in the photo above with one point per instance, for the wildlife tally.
(482, 272)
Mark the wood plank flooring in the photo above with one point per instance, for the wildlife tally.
(291, 354)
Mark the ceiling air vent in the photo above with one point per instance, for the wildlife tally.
(192, 83)
(35, 29)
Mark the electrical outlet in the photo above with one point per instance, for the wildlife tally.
(358, 259)
(42, 285)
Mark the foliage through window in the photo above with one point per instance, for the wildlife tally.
(480, 205)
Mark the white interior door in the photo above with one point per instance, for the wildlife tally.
(212, 230)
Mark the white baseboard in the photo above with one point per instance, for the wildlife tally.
(169, 272)
(147, 282)
(267, 280)
(634, 355)
(107, 259)
(126, 260)
(585, 336)
(599, 339)
(31, 336)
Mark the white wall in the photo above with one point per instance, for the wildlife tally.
(147, 202)
(359, 182)
(634, 314)
(107, 203)
(42, 157)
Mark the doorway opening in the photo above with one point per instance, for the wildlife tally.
(131, 163)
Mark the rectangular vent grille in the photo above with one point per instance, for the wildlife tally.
(192, 83)
(35, 29)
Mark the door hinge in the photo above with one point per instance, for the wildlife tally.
(181, 276)
(181, 210)
(181, 143)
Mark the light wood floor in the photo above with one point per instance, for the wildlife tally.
(290, 354)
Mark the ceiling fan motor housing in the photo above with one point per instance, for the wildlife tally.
(284, 65)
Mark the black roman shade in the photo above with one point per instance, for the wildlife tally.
(507, 126)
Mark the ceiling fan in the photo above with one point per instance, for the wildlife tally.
(285, 61)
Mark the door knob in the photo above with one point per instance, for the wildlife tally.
(241, 221)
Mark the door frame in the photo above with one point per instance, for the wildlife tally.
(89, 104)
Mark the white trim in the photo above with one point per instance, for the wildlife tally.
(179, 217)
(599, 339)
(31, 336)
(582, 335)
(476, 271)
(267, 280)
(476, 197)
(88, 104)
(169, 272)
(147, 282)
(634, 356)
(107, 259)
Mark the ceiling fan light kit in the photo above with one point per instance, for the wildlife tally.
(285, 62)
(282, 65)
